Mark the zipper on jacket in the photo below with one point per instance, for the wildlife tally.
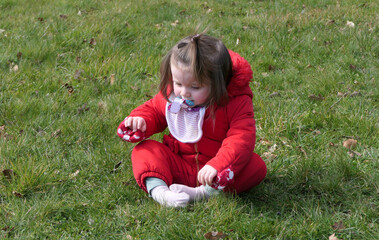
(197, 164)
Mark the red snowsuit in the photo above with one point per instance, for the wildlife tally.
(227, 143)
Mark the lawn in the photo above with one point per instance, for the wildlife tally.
(71, 70)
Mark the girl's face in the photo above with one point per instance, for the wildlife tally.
(187, 87)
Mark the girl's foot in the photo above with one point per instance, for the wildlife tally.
(195, 194)
(164, 196)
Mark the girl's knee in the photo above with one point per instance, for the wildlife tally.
(250, 176)
(147, 148)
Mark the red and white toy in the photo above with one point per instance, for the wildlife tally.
(128, 134)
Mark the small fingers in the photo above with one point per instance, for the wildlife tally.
(200, 177)
(135, 123)
(128, 122)
(141, 125)
(209, 178)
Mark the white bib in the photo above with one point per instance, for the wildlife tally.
(186, 123)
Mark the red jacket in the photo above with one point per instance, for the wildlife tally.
(228, 139)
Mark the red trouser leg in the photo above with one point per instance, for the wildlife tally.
(154, 159)
(250, 176)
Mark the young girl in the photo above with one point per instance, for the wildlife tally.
(206, 102)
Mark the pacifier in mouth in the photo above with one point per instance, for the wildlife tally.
(189, 103)
(180, 103)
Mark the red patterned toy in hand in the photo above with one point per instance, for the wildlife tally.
(128, 134)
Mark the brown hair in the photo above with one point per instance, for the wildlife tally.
(209, 61)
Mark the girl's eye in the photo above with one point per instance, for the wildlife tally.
(196, 88)
(178, 84)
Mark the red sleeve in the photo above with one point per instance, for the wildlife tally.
(153, 112)
(238, 146)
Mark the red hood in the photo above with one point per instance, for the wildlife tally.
(242, 75)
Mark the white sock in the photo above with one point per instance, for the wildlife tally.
(166, 197)
(196, 193)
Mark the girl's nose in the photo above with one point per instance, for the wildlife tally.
(185, 93)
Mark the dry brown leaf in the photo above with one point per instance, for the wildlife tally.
(75, 174)
(356, 93)
(175, 23)
(350, 143)
(78, 73)
(69, 88)
(102, 105)
(274, 94)
(116, 167)
(265, 142)
(182, 12)
(2, 131)
(17, 194)
(41, 132)
(14, 68)
(269, 156)
(92, 42)
(83, 108)
(264, 74)
(333, 237)
(316, 132)
(127, 183)
(352, 67)
(8, 173)
(340, 94)
(285, 141)
(19, 55)
(273, 148)
(79, 140)
(353, 153)
(350, 24)
(314, 97)
(56, 133)
(215, 235)
(113, 78)
(271, 68)
(129, 237)
(8, 230)
(338, 226)
(302, 150)
(357, 153)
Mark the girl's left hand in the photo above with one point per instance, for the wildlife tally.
(206, 175)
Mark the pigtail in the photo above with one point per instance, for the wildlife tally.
(194, 56)
(166, 76)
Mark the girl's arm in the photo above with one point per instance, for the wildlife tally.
(238, 146)
(153, 114)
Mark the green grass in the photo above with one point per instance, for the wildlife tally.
(296, 48)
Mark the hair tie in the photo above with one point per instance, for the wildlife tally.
(195, 37)
(182, 44)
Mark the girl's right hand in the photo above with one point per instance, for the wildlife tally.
(135, 123)
(132, 129)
